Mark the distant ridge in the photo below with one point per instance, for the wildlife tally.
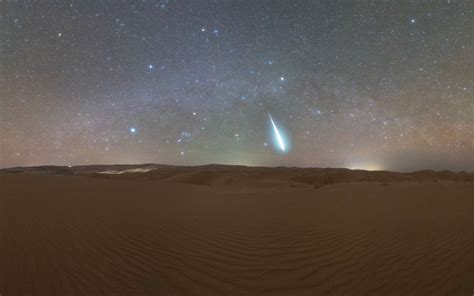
(230, 175)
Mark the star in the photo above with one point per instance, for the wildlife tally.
(192, 76)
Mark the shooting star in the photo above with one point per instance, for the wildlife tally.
(278, 136)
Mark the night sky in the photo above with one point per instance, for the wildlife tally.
(358, 84)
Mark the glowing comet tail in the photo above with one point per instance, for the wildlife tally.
(278, 136)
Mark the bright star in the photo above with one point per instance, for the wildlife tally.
(133, 130)
(282, 78)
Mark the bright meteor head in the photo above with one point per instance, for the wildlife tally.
(278, 137)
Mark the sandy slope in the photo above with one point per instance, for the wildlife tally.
(247, 232)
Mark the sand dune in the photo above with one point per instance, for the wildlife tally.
(223, 175)
(230, 230)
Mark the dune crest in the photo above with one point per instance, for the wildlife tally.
(224, 175)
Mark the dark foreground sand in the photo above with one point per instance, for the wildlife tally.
(237, 231)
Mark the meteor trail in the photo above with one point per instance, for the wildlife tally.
(278, 136)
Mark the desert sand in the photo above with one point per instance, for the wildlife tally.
(231, 230)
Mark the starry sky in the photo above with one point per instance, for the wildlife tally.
(357, 84)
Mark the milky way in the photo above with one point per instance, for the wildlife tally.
(358, 84)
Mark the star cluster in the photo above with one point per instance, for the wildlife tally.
(358, 84)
